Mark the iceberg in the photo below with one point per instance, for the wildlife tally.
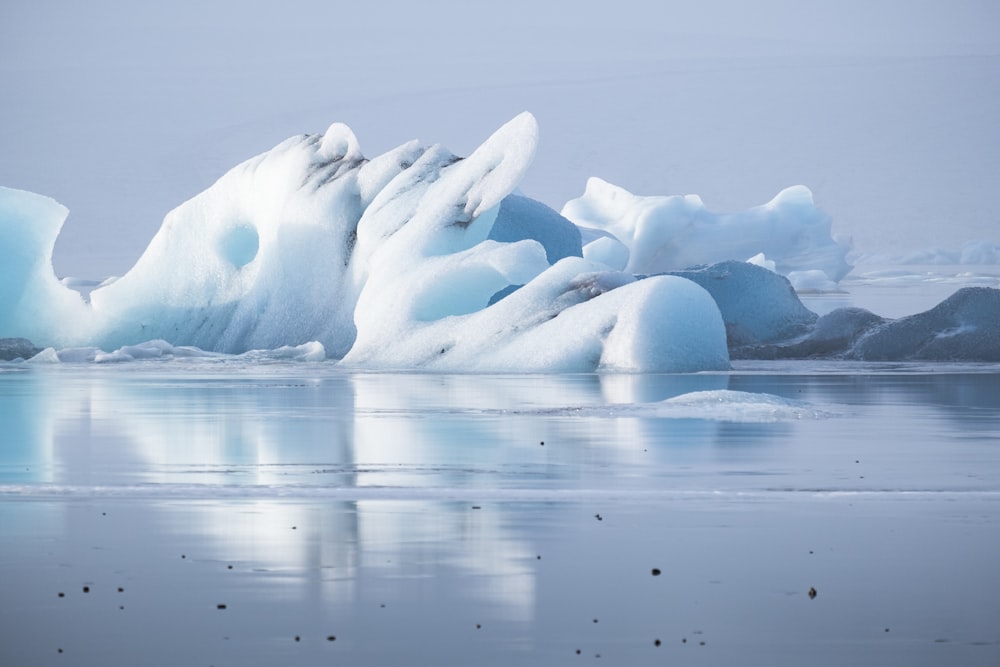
(655, 234)
(416, 258)
(421, 259)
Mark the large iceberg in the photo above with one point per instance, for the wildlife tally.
(418, 258)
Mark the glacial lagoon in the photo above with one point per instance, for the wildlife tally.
(215, 512)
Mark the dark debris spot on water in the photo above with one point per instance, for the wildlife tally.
(656, 642)
(656, 571)
(121, 590)
(599, 517)
(298, 638)
(812, 593)
(331, 638)
(220, 606)
(86, 589)
(61, 594)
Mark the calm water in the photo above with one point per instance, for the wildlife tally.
(218, 513)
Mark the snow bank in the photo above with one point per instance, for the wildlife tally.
(661, 233)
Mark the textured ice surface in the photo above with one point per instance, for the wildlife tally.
(398, 261)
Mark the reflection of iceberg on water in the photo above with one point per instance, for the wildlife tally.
(418, 258)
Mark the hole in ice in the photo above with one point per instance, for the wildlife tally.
(239, 245)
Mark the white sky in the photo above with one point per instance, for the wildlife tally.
(887, 109)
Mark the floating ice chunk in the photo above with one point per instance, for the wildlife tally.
(739, 406)
(714, 405)
(677, 232)
(757, 305)
(963, 327)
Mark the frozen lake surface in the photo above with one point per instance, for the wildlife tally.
(219, 512)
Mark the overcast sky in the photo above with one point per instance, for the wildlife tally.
(122, 110)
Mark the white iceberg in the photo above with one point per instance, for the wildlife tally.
(387, 262)
(646, 235)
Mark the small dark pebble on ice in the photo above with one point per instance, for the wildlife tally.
(684, 640)
(812, 593)
(656, 571)
(121, 590)
(62, 595)
(86, 589)
(59, 650)
(578, 651)
(295, 527)
(297, 638)
(331, 638)
(229, 567)
(656, 642)
(595, 620)
(542, 443)
(183, 556)
(220, 606)
(478, 626)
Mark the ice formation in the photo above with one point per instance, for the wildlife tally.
(418, 258)
(646, 235)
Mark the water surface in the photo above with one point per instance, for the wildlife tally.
(241, 513)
